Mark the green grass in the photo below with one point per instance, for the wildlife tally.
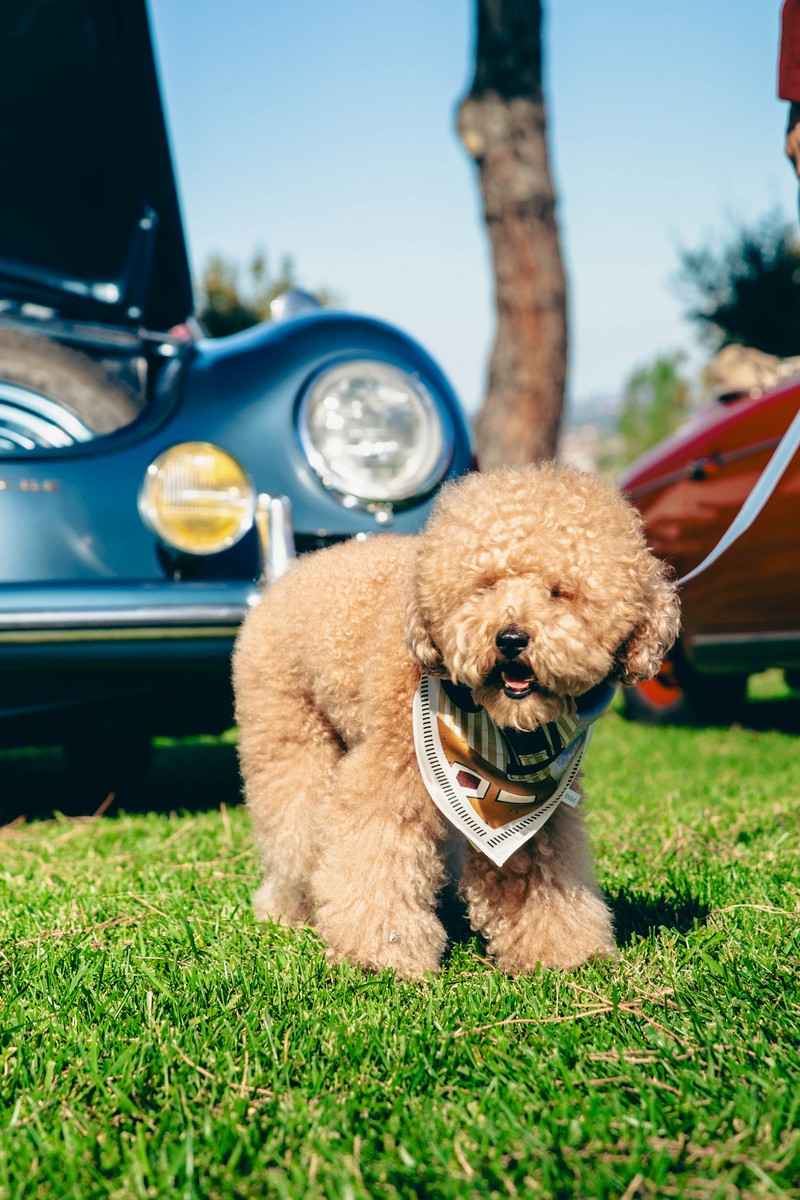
(154, 1041)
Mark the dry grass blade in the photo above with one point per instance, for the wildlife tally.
(98, 927)
(633, 1187)
(597, 1010)
(241, 1088)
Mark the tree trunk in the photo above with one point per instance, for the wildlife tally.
(502, 123)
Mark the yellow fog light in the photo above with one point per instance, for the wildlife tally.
(197, 498)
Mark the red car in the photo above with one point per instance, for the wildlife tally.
(741, 615)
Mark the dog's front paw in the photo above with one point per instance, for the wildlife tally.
(411, 949)
(564, 936)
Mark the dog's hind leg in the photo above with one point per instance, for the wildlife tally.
(543, 905)
(381, 866)
(288, 752)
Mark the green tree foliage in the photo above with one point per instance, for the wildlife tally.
(232, 299)
(656, 400)
(747, 292)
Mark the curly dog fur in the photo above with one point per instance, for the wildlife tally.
(325, 672)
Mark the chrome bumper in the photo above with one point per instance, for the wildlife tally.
(115, 611)
(122, 612)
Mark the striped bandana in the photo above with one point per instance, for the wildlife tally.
(498, 786)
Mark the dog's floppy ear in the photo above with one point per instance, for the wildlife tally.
(419, 641)
(643, 651)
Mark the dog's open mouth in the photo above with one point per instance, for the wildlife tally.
(518, 680)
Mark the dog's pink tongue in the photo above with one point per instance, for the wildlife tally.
(522, 680)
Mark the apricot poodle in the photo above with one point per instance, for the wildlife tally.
(528, 589)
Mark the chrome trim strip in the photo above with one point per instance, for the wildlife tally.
(166, 633)
(718, 640)
(177, 616)
(743, 653)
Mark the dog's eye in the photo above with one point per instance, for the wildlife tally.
(559, 592)
(486, 584)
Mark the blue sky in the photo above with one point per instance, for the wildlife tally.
(324, 129)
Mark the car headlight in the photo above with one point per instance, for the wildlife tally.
(197, 498)
(373, 433)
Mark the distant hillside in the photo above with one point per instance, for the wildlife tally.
(589, 438)
(601, 410)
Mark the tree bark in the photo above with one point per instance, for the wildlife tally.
(502, 123)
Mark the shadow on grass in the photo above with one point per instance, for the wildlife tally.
(635, 915)
(452, 912)
(639, 915)
(192, 775)
(779, 716)
(782, 716)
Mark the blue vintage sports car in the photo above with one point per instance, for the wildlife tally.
(150, 477)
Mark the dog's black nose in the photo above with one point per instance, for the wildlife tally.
(511, 641)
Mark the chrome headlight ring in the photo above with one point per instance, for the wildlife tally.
(373, 434)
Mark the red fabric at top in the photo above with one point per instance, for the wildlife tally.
(789, 67)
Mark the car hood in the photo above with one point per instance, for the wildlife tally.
(89, 218)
